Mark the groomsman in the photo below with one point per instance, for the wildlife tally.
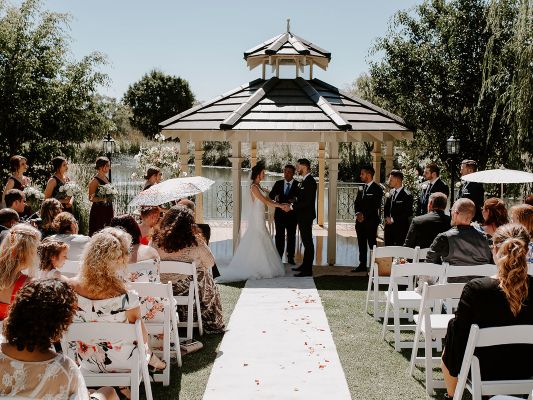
(397, 211)
(367, 206)
(433, 184)
(285, 191)
(472, 190)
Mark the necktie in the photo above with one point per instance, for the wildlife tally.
(287, 188)
(395, 194)
(428, 192)
(364, 190)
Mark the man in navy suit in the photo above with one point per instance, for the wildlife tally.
(285, 191)
(397, 211)
(433, 184)
(367, 207)
(471, 190)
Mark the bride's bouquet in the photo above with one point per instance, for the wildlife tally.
(106, 192)
(34, 197)
(69, 189)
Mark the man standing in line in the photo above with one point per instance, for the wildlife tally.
(397, 210)
(285, 191)
(367, 206)
(471, 190)
(433, 184)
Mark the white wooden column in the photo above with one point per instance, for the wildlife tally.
(376, 161)
(389, 158)
(321, 182)
(198, 153)
(236, 161)
(184, 156)
(333, 171)
(253, 154)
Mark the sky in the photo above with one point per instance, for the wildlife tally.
(204, 41)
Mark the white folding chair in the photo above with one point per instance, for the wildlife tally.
(432, 325)
(192, 300)
(455, 271)
(405, 299)
(530, 269)
(87, 332)
(374, 279)
(168, 326)
(70, 268)
(422, 253)
(514, 334)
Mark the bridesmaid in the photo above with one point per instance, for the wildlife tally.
(153, 176)
(18, 165)
(101, 209)
(59, 169)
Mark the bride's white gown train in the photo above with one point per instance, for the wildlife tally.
(255, 257)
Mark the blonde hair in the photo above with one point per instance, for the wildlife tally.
(47, 249)
(18, 251)
(106, 254)
(512, 240)
(523, 214)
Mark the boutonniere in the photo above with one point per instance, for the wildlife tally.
(300, 185)
(424, 186)
(458, 184)
(387, 195)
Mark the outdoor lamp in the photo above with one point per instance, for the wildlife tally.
(452, 146)
(108, 144)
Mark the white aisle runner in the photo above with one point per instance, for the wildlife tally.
(278, 346)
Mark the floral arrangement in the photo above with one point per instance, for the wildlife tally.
(164, 157)
(69, 189)
(34, 197)
(106, 192)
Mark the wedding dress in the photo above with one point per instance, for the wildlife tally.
(255, 257)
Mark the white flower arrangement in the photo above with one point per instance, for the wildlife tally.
(107, 192)
(164, 157)
(387, 194)
(424, 186)
(458, 184)
(69, 189)
(34, 197)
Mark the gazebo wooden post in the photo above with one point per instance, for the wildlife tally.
(376, 161)
(184, 156)
(236, 162)
(321, 182)
(198, 154)
(253, 154)
(333, 171)
(389, 158)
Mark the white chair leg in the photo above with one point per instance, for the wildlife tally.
(198, 311)
(428, 355)
(369, 288)
(176, 336)
(386, 317)
(414, 353)
(397, 338)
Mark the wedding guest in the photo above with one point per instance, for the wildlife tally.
(103, 297)
(494, 215)
(150, 217)
(101, 208)
(39, 316)
(204, 229)
(58, 179)
(17, 180)
(66, 227)
(8, 218)
(367, 207)
(463, 244)
(175, 240)
(505, 299)
(398, 210)
(433, 184)
(471, 190)
(17, 253)
(425, 228)
(52, 254)
(50, 209)
(15, 199)
(152, 177)
(523, 214)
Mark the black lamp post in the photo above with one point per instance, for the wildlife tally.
(108, 146)
(452, 147)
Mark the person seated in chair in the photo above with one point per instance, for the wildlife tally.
(8, 218)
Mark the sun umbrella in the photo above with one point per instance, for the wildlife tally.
(171, 190)
(501, 175)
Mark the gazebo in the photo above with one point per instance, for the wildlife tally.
(291, 111)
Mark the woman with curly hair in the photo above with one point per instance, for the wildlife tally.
(18, 252)
(523, 214)
(178, 240)
(104, 297)
(49, 210)
(494, 215)
(501, 300)
(52, 255)
(66, 227)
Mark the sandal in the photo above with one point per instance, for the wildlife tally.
(124, 393)
(154, 364)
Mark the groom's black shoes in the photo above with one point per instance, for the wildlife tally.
(291, 261)
(298, 269)
(305, 272)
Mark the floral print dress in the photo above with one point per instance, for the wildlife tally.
(100, 355)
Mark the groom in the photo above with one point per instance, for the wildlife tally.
(305, 214)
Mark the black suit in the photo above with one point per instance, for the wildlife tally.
(285, 221)
(438, 186)
(400, 208)
(425, 228)
(475, 192)
(305, 207)
(368, 203)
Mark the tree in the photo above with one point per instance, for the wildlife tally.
(432, 74)
(155, 98)
(48, 102)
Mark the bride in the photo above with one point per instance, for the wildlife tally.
(255, 257)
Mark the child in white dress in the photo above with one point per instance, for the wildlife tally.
(53, 254)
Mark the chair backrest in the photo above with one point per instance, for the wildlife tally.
(530, 268)
(177, 267)
(423, 253)
(143, 271)
(444, 291)
(71, 268)
(416, 269)
(111, 331)
(394, 251)
(145, 289)
(470, 270)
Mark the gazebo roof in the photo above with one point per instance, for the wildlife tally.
(293, 110)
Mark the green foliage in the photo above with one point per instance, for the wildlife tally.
(155, 98)
(164, 157)
(216, 153)
(48, 101)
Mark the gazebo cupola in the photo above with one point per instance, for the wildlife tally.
(287, 49)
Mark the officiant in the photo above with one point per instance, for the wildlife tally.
(284, 191)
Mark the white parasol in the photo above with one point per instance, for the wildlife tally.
(501, 175)
(172, 190)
